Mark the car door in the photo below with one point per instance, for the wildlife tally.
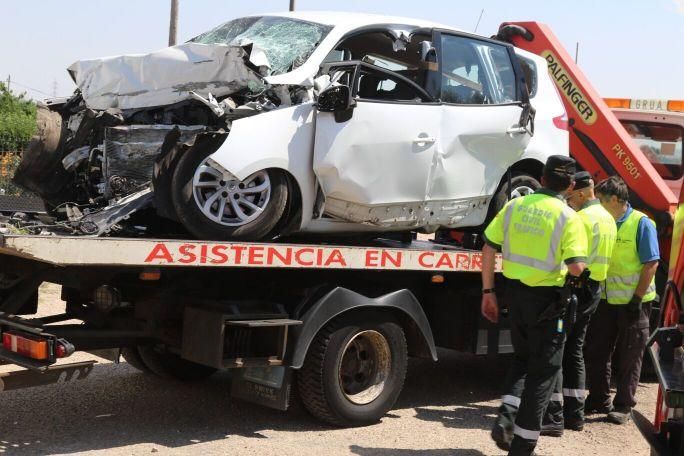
(480, 134)
(374, 166)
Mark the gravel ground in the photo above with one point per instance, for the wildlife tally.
(446, 409)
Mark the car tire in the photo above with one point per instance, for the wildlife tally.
(354, 370)
(187, 205)
(521, 184)
(163, 363)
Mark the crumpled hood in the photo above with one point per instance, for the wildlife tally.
(167, 76)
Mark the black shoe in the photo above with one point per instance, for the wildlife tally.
(574, 425)
(552, 429)
(620, 415)
(502, 436)
(594, 408)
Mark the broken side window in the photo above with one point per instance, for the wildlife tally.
(379, 49)
(287, 42)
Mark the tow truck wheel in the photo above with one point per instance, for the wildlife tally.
(354, 370)
(132, 357)
(160, 361)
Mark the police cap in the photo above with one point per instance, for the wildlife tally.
(583, 180)
(561, 165)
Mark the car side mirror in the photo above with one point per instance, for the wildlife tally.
(338, 100)
(428, 56)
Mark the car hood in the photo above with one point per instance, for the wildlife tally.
(169, 75)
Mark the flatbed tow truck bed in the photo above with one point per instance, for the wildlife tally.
(381, 255)
(185, 308)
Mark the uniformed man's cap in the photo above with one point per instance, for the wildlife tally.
(583, 180)
(560, 164)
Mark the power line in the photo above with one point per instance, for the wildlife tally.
(30, 88)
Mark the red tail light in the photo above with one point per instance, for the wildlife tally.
(561, 122)
(26, 345)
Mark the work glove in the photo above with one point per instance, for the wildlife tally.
(634, 308)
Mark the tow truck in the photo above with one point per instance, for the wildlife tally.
(336, 321)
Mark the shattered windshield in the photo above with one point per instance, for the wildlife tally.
(286, 42)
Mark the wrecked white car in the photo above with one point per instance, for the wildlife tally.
(301, 122)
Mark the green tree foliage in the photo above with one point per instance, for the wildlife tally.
(17, 120)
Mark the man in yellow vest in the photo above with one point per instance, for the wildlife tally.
(566, 409)
(621, 322)
(544, 249)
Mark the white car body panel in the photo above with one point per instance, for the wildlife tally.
(475, 152)
(282, 138)
(548, 139)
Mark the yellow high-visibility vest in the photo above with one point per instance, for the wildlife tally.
(537, 233)
(601, 234)
(625, 266)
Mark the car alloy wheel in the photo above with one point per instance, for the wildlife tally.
(226, 200)
(523, 190)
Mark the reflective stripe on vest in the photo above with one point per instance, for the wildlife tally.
(535, 224)
(625, 266)
(601, 231)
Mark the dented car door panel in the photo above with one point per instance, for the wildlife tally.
(380, 157)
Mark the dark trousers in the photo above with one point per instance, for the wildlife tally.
(567, 399)
(538, 348)
(611, 329)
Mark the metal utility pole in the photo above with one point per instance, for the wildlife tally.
(292, 5)
(576, 52)
(173, 23)
(9, 79)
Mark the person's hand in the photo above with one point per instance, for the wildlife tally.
(634, 308)
(490, 307)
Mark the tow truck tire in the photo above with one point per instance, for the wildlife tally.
(354, 369)
(166, 364)
(132, 357)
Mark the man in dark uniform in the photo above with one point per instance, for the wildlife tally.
(566, 409)
(544, 248)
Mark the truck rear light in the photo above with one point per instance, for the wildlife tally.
(622, 103)
(561, 122)
(28, 345)
(675, 105)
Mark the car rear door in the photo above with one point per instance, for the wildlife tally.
(482, 101)
(375, 166)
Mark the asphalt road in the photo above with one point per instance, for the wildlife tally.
(446, 409)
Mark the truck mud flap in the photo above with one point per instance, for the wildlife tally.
(267, 386)
(649, 433)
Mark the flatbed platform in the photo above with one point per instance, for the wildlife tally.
(106, 251)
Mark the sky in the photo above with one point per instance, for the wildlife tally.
(627, 48)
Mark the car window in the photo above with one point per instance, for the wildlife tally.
(475, 72)
(287, 42)
(661, 143)
(380, 86)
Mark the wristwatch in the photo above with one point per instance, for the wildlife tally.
(488, 290)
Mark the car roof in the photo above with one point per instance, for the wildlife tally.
(355, 20)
